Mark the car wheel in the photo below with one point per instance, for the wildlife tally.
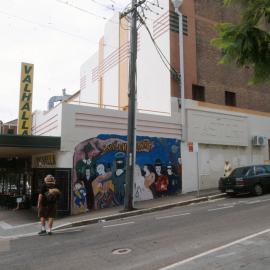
(257, 190)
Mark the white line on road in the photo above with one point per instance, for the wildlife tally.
(17, 236)
(7, 226)
(176, 265)
(227, 204)
(257, 201)
(226, 255)
(265, 200)
(172, 216)
(252, 202)
(220, 208)
(67, 231)
(119, 224)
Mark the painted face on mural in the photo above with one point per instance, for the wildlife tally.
(100, 169)
(169, 170)
(146, 170)
(158, 169)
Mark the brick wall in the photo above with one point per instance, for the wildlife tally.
(218, 78)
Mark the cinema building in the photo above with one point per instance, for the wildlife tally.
(82, 140)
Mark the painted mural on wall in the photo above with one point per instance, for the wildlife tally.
(100, 170)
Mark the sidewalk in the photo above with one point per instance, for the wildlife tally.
(24, 222)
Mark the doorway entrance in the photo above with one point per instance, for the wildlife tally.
(63, 181)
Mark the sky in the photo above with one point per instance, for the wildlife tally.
(57, 36)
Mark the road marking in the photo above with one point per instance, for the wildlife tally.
(67, 231)
(14, 237)
(220, 208)
(226, 255)
(265, 200)
(227, 204)
(172, 216)
(257, 201)
(190, 259)
(252, 202)
(7, 226)
(119, 224)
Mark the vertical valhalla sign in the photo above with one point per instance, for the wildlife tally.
(25, 104)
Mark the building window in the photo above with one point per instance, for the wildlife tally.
(10, 131)
(198, 93)
(230, 98)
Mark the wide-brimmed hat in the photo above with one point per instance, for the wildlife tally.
(49, 179)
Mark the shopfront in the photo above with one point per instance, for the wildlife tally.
(20, 177)
(45, 164)
(15, 182)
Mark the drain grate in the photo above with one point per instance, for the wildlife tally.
(121, 251)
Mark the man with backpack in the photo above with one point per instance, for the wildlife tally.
(47, 200)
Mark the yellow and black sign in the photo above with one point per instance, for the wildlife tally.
(25, 104)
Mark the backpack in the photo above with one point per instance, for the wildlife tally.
(52, 195)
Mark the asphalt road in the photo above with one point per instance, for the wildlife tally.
(199, 236)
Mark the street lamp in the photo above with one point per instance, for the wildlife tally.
(177, 4)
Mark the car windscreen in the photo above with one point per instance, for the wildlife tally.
(240, 172)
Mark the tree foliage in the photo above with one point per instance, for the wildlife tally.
(247, 43)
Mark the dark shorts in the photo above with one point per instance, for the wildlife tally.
(47, 212)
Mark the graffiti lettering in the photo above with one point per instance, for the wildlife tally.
(142, 146)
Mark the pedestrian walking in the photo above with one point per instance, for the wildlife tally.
(47, 199)
(227, 168)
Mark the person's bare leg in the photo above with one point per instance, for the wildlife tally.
(50, 224)
(43, 221)
(43, 224)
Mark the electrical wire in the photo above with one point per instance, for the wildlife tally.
(162, 56)
(86, 11)
(102, 5)
(51, 28)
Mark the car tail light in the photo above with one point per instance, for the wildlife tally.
(239, 181)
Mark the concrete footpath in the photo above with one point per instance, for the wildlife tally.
(21, 223)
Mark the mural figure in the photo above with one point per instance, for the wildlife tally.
(118, 178)
(173, 180)
(103, 188)
(141, 192)
(162, 181)
(149, 178)
(79, 194)
(85, 170)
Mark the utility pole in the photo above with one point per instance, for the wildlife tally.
(132, 98)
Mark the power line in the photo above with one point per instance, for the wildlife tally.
(81, 9)
(102, 5)
(86, 11)
(51, 28)
(160, 53)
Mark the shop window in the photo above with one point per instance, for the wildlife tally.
(198, 93)
(10, 131)
(230, 98)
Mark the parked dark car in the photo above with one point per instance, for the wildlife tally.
(250, 179)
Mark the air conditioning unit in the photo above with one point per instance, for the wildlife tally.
(258, 140)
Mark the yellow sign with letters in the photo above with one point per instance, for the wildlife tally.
(25, 104)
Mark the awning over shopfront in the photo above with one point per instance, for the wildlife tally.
(26, 146)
